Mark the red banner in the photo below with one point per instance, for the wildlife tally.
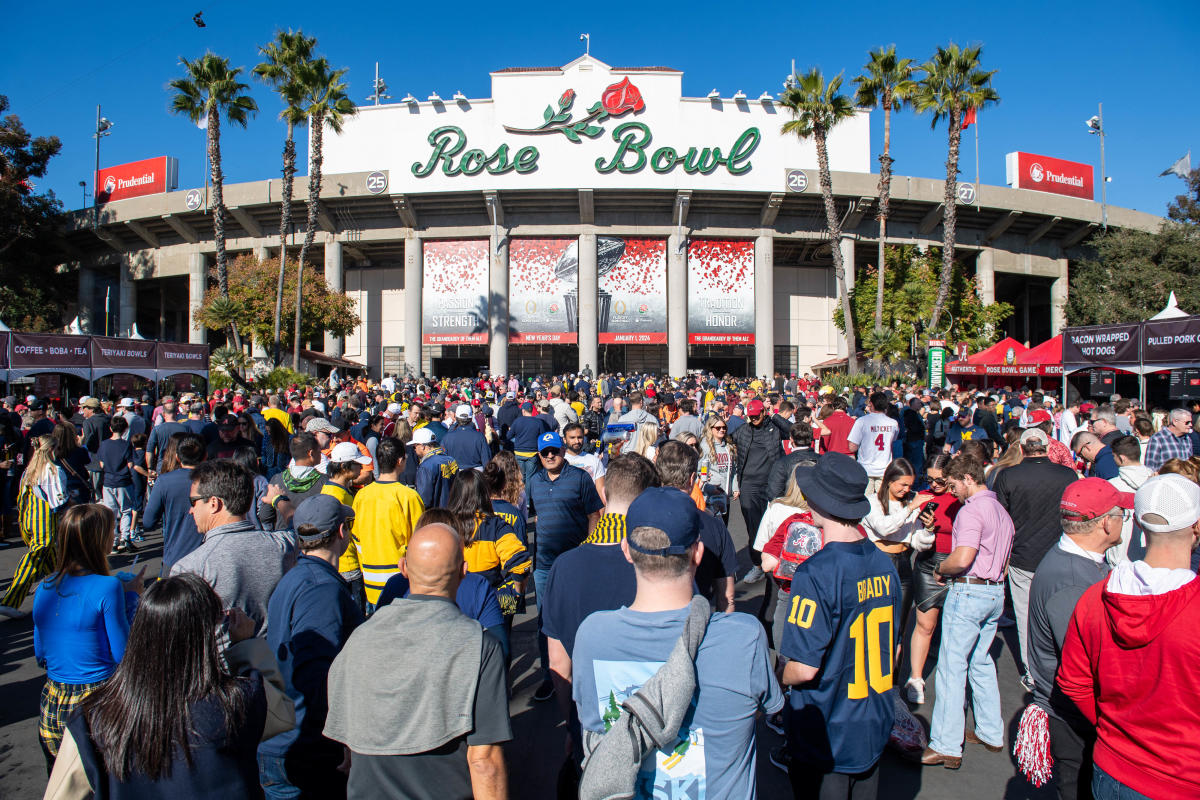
(137, 178)
(1046, 174)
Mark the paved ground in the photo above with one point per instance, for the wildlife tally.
(535, 753)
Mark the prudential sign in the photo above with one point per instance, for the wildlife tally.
(1046, 174)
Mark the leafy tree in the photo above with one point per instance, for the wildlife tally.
(886, 83)
(911, 288)
(29, 229)
(952, 84)
(816, 107)
(283, 59)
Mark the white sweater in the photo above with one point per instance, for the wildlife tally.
(897, 525)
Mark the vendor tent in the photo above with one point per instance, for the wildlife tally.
(1046, 358)
(999, 359)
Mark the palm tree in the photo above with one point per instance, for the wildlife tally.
(209, 89)
(283, 58)
(953, 83)
(816, 107)
(328, 104)
(886, 83)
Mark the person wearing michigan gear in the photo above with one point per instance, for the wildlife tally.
(491, 546)
(436, 470)
(386, 513)
(839, 640)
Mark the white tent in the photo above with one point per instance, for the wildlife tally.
(1172, 311)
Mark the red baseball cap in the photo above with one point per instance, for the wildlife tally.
(754, 407)
(1091, 497)
(1038, 416)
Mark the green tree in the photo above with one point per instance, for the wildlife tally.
(30, 225)
(952, 84)
(328, 104)
(209, 89)
(886, 83)
(283, 59)
(816, 107)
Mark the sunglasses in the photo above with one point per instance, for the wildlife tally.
(720, 427)
(937, 481)
(196, 498)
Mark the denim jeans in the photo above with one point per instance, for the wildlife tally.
(120, 500)
(1106, 787)
(969, 620)
(540, 578)
(273, 777)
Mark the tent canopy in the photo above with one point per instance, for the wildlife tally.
(1048, 352)
(1172, 311)
(998, 353)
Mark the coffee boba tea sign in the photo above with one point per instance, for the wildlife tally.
(633, 139)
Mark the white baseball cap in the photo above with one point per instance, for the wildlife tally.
(344, 452)
(423, 436)
(1172, 501)
(463, 411)
(126, 402)
(394, 408)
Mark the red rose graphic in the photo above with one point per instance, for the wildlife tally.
(622, 97)
(567, 97)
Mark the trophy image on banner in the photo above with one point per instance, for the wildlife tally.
(609, 250)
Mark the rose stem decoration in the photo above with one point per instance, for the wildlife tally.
(617, 99)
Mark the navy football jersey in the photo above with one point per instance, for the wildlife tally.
(844, 607)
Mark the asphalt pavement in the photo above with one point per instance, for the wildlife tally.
(536, 751)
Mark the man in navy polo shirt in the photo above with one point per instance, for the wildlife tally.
(568, 508)
(839, 640)
(523, 434)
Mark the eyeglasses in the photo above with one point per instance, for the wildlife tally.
(720, 427)
(196, 498)
(937, 481)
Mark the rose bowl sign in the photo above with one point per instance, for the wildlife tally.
(1046, 174)
(137, 178)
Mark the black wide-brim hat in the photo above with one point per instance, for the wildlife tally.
(837, 485)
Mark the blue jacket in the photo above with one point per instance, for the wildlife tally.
(169, 506)
(434, 477)
(467, 446)
(524, 432)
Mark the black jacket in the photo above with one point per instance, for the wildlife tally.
(785, 466)
(1032, 493)
(757, 451)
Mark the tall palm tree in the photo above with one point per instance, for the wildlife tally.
(816, 107)
(209, 90)
(283, 59)
(328, 104)
(952, 84)
(886, 83)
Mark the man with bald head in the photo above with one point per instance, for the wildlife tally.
(1099, 456)
(433, 729)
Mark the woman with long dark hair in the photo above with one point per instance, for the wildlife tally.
(506, 490)
(74, 459)
(491, 547)
(276, 449)
(172, 722)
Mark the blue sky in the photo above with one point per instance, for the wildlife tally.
(1055, 62)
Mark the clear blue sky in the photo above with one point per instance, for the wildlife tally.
(1055, 62)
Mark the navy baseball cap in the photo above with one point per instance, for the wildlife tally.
(549, 441)
(325, 512)
(670, 511)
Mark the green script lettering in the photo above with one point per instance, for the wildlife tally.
(745, 145)
(446, 141)
(449, 141)
(626, 136)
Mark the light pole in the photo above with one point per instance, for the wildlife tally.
(102, 129)
(1096, 128)
(380, 92)
(83, 188)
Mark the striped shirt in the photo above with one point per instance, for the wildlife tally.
(609, 530)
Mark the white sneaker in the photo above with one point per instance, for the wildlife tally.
(915, 689)
(754, 576)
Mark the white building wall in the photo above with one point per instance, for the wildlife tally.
(805, 299)
(378, 295)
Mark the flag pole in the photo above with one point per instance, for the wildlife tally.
(978, 207)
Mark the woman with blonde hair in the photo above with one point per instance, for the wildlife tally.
(718, 458)
(647, 435)
(41, 497)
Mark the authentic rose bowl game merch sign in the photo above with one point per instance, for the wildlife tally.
(1046, 174)
(137, 178)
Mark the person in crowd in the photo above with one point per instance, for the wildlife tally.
(273, 411)
(160, 435)
(568, 509)
(81, 618)
(982, 540)
(716, 685)
(563, 413)
(1029, 492)
(295, 484)
(1098, 456)
(963, 430)
(491, 546)
(506, 489)
(275, 453)
(929, 593)
(436, 471)
(841, 705)
(1091, 514)
(784, 508)
(115, 457)
(1143, 429)
(800, 435)
(75, 460)
(342, 472)
(1128, 659)
(168, 505)
(385, 515)
(1172, 441)
(94, 431)
(464, 443)
(1102, 421)
(638, 416)
(871, 438)
(592, 464)
(229, 438)
(441, 738)
(644, 440)
(243, 565)
(41, 498)
(835, 426)
(1131, 474)
(687, 421)
(311, 614)
(718, 458)
(915, 434)
(523, 436)
(248, 458)
(757, 451)
(172, 721)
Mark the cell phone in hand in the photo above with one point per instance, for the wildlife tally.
(929, 507)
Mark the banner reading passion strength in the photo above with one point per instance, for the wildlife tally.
(543, 291)
(454, 305)
(632, 302)
(720, 291)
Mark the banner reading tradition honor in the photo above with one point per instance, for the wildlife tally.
(543, 291)
(454, 306)
(631, 307)
(720, 291)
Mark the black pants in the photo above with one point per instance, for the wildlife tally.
(809, 783)
(754, 505)
(1072, 753)
(903, 563)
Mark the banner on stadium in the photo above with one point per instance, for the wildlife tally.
(31, 353)
(175, 358)
(1114, 346)
(1170, 343)
(135, 356)
(720, 291)
(543, 291)
(137, 178)
(454, 292)
(631, 307)
(1046, 174)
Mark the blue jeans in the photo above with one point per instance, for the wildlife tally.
(969, 619)
(528, 465)
(273, 777)
(540, 578)
(1106, 787)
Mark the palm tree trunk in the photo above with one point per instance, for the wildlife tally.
(285, 224)
(314, 198)
(885, 184)
(218, 181)
(835, 235)
(949, 218)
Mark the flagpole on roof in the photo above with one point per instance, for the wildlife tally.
(978, 205)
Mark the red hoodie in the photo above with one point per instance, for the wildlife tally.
(1130, 663)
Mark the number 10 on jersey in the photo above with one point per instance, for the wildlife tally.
(871, 656)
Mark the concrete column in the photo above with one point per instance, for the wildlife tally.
(498, 311)
(262, 252)
(985, 275)
(764, 305)
(677, 305)
(87, 298)
(335, 279)
(1058, 299)
(414, 270)
(589, 289)
(197, 283)
(846, 245)
(128, 301)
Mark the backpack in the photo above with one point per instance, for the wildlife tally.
(801, 540)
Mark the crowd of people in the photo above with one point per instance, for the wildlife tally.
(342, 565)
